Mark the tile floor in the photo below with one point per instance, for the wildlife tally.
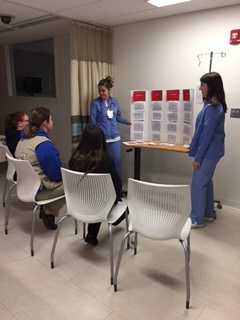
(151, 284)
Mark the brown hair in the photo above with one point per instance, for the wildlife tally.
(36, 119)
(90, 151)
(106, 82)
(215, 88)
(12, 119)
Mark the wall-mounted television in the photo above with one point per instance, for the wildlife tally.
(32, 85)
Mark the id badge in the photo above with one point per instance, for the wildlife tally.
(110, 114)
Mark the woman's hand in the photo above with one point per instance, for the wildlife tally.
(196, 165)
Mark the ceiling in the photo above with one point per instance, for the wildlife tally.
(29, 13)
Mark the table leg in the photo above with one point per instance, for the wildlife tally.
(137, 163)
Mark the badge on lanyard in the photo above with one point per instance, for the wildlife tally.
(109, 114)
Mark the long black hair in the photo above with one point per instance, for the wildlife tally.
(215, 88)
(90, 151)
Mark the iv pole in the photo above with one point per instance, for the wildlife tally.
(223, 54)
(211, 58)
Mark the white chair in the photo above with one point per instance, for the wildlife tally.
(90, 199)
(28, 183)
(10, 183)
(159, 212)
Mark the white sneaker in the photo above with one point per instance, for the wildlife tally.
(209, 219)
(195, 225)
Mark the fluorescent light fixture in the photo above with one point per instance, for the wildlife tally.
(164, 3)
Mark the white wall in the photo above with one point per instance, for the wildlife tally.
(59, 107)
(162, 54)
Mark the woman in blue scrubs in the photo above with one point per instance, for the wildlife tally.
(207, 148)
(105, 113)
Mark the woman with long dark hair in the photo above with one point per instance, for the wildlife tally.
(92, 156)
(207, 148)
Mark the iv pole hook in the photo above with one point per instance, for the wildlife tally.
(211, 57)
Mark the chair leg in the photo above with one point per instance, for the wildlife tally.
(10, 191)
(110, 251)
(134, 242)
(8, 207)
(55, 240)
(127, 226)
(119, 259)
(7, 213)
(84, 230)
(4, 193)
(188, 246)
(76, 226)
(185, 247)
(33, 229)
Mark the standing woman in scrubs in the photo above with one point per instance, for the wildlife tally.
(105, 113)
(207, 148)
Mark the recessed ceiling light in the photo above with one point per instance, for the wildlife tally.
(164, 3)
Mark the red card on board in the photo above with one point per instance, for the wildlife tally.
(139, 96)
(186, 95)
(172, 95)
(156, 95)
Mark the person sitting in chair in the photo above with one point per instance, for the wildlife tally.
(36, 147)
(92, 156)
(13, 124)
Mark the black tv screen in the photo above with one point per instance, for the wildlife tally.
(33, 85)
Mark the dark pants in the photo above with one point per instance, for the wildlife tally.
(93, 229)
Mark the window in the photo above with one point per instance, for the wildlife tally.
(32, 68)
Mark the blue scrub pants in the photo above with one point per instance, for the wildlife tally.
(114, 149)
(202, 191)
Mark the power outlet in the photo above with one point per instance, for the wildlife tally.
(235, 113)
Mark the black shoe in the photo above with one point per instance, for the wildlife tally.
(48, 220)
(123, 193)
(91, 240)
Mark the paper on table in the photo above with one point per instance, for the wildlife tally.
(167, 144)
(134, 142)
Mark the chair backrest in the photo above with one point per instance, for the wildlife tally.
(10, 168)
(89, 198)
(28, 181)
(158, 211)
